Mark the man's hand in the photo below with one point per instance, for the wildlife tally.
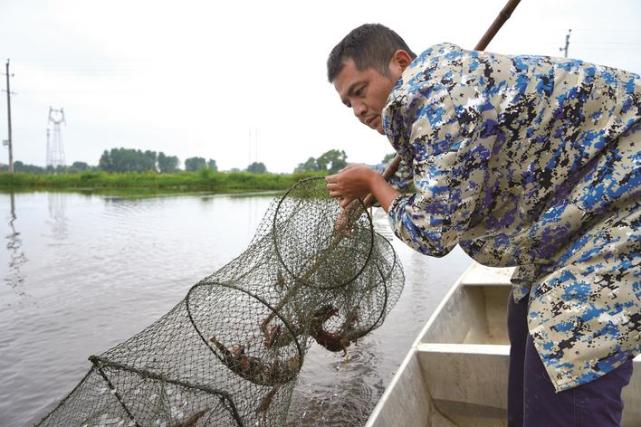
(351, 183)
(355, 182)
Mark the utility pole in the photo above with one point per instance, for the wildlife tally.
(567, 44)
(8, 142)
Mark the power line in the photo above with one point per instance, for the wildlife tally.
(607, 30)
(608, 43)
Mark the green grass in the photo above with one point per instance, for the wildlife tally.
(150, 182)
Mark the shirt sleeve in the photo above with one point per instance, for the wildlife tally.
(401, 179)
(449, 147)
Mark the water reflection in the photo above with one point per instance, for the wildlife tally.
(57, 203)
(15, 277)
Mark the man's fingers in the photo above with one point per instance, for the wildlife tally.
(334, 190)
(344, 202)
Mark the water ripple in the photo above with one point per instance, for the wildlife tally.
(82, 273)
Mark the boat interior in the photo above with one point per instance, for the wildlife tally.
(456, 373)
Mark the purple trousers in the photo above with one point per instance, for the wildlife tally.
(532, 401)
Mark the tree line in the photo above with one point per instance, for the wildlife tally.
(331, 162)
(132, 160)
(125, 160)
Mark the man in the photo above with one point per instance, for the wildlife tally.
(523, 161)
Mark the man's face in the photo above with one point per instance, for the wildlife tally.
(365, 91)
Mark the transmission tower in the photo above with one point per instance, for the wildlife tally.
(55, 149)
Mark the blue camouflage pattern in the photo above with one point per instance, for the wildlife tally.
(534, 162)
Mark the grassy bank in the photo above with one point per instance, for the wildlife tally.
(204, 180)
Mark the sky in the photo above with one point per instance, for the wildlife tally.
(243, 81)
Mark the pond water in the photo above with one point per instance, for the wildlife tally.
(82, 273)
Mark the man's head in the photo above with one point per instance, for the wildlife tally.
(364, 67)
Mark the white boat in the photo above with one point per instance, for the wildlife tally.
(455, 374)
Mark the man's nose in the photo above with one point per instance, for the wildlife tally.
(359, 109)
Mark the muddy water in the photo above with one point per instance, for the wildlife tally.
(81, 273)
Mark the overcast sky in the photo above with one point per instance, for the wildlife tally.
(241, 81)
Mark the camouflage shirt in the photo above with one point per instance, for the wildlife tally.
(533, 162)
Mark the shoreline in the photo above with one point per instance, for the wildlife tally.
(150, 183)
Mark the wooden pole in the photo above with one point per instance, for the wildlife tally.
(503, 16)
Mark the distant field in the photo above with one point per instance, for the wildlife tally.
(204, 180)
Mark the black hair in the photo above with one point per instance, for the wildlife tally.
(370, 45)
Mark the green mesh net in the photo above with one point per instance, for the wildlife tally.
(229, 353)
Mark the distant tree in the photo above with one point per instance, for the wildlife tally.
(122, 160)
(127, 160)
(257, 167)
(167, 163)
(211, 164)
(19, 166)
(78, 167)
(332, 161)
(311, 165)
(149, 160)
(234, 170)
(388, 158)
(194, 163)
(105, 162)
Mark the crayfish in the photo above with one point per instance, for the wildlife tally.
(341, 339)
(253, 368)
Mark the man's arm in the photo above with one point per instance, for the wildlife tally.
(442, 119)
(401, 179)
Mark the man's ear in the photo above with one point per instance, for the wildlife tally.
(399, 62)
